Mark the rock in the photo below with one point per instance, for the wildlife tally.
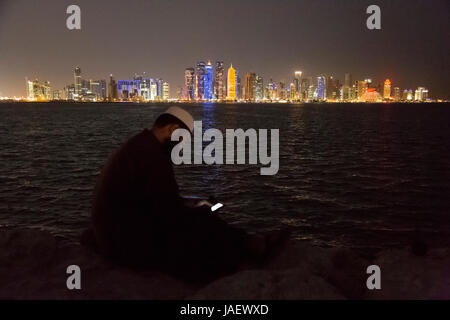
(405, 275)
(267, 285)
(33, 265)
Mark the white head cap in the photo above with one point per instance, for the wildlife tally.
(183, 116)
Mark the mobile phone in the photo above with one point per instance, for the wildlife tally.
(217, 206)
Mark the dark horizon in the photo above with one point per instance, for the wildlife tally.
(271, 38)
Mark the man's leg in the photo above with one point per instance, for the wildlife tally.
(204, 247)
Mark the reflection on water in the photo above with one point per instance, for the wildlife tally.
(353, 175)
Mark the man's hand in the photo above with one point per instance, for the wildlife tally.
(203, 203)
(195, 202)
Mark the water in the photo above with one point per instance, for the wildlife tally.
(362, 176)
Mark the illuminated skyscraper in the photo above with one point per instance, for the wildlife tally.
(360, 88)
(165, 91)
(292, 96)
(397, 95)
(310, 92)
(145, 85)
(298, 85)
(77, 82)
(126, 89)
(47, 90)
(68, 91)
(94, 89)
(259, 88)
(208, 85)
(405, 95)
(30, 91)
(331, 88)
(271, 91)
(238, 86)
(189, 74)
(39, 91)
(231, 84)
(159, 88)
(421, 94)
(387, 89)
(321, 88)
(306, 82)
(347, 87)
(282, 92)
(409, 96)
(112, 92)
(199, 89)
(218, 81)
(250, 87)
(153, 90)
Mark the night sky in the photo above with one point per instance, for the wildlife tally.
(270, 37)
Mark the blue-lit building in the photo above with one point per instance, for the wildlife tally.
(139, 88)
(199, 84)
(159, 87)
(321, 93)
(208, 82)
(128, 88)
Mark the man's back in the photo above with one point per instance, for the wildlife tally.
(132, 192)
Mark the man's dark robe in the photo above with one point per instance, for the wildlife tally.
(139, 218)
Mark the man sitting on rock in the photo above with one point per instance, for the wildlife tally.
(139, 219)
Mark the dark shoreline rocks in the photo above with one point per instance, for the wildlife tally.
(33, 266)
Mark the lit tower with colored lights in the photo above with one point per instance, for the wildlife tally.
(77, 81)
(231, 84)
(298, 85)
(387, 89)
(321, 89)
(199, 86)
(189, 78)
(219, 81)
(208, 85)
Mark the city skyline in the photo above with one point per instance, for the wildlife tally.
(270, 38)
(203, 71)
(203, 83)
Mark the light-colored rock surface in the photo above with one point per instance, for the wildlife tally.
(406, 276)
(33, 266)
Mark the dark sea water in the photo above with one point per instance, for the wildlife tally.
(356, 175)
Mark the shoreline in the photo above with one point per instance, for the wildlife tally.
(439, 101)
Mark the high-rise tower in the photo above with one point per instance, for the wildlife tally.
(298, 85)
(259, 88)
(321, 88)
(231, 84)
(189, 84)
(208, 82)
(77, 81)
(200, 72)
(250, 86)
(387, 89)
(218, 81)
